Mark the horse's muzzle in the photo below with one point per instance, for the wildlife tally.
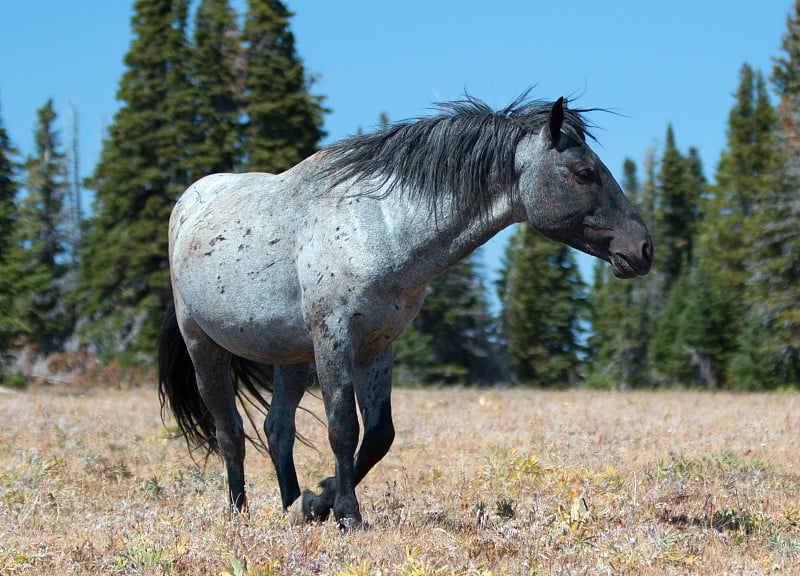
(632, 261)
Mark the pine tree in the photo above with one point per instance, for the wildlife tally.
(413, 359)
(146, 162)
(786, 81)
(773, 289)
(284, 121)
(747, 171)
(676, 217)
(10, 323)
(43, 236)
(697, 334)
(74, 208)
(216, 85)
(456, 322)
(543, 306)
(709, 328)
(8, 190)
(670, 358)
(680, 189)
(621, 313)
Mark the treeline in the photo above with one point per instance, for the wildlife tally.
(722, 308)
(229, 93)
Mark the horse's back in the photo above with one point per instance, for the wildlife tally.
(220, 189)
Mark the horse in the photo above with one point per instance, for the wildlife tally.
(324, 265)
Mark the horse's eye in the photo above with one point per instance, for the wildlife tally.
(584, 176)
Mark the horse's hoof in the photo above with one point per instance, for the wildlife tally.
(294, 514)
(239, 513)
(309, 507)
(350, 523)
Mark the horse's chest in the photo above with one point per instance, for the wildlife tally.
(355, 273)
(374, 313)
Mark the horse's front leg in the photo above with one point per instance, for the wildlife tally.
(374, 393)
(336, 371)
(373, 386)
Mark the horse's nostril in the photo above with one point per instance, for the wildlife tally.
(647, 252)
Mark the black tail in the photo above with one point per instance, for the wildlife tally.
(177, 386)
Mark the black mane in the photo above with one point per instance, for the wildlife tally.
(464, 153)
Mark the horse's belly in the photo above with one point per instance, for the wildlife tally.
(269, 343)
(272, 332)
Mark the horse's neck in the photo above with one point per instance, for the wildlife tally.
(415, 241)
(440, 239)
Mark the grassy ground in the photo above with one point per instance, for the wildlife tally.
(478, 482)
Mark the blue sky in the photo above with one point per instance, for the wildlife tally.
(653, 62)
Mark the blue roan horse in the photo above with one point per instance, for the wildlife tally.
(326, 264)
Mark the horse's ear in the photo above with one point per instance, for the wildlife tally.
(556, 120)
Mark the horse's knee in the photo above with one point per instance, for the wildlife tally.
(231, 439)
(380, 438)
(280, 430)
(280, 440)
(385, 434)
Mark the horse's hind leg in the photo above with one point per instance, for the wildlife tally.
(212, 369)
(279, 426)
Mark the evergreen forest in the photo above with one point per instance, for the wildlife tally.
(83, 286)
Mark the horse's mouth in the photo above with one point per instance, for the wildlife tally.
(622, 268)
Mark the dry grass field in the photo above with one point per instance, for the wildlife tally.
(478, 482)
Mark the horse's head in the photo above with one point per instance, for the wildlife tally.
(570, 196)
